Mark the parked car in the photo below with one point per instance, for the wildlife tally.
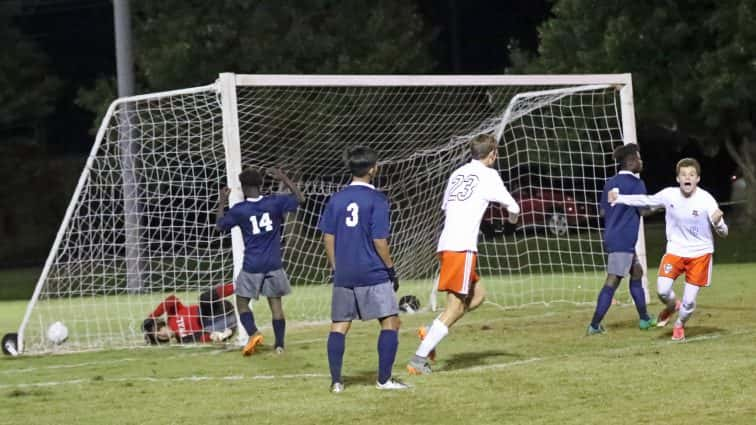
(546, 209)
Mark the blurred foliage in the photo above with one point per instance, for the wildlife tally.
(33, 200)
(184, 43)
(692, 63)
(27, 88)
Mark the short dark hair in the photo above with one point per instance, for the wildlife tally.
(151, 327)
(482, 145)
(626, 153)
(360, 159)
(251, 177)
(688, 162)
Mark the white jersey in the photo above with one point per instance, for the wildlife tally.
(469, 190)
(688, 219)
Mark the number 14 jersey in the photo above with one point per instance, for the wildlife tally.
(260, 222)
(470, 189)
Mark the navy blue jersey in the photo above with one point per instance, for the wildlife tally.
(355, 216)
(260, 221)
(621, 222)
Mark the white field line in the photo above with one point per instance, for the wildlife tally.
(472, 369)
(232, 346)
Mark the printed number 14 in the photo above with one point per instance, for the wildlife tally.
(265, 223)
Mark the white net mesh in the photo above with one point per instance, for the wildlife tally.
(143, 224)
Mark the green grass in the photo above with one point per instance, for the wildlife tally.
(530, 365)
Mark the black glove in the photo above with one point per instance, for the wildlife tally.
(148, 328)
(392, 277)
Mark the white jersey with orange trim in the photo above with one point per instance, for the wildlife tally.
(688, 219)
(469, 190)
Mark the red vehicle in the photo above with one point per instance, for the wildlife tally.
(547, 209)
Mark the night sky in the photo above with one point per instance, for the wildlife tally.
(77, 36)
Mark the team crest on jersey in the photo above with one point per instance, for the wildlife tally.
(667, 268)
(695, 213)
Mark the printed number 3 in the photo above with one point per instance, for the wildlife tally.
(265, 223)
(354, 218)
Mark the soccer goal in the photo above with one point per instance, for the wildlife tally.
(140, 225)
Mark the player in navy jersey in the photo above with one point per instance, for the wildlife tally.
(259, 218)
(356, 226)
(621, 225)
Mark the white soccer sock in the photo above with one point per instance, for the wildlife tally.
(688, 303)
(436, 333)
(664, 289)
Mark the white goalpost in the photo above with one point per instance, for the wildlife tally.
(140, 224)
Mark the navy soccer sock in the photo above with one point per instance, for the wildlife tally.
(248, 321)
(639, 297)
(336, 342)
(279, 330)
(602, 305)
(388, 342)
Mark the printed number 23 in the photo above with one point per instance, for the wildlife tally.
(462, 187)
(265, 223)
(354, 217)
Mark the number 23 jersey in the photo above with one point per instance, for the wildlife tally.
(470, 189)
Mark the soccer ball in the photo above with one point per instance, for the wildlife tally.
(57, 333)
(409, 304)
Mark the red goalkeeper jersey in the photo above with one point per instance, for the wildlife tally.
(183, 320)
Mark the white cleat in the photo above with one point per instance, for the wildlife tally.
(392, 384)
(337, 387)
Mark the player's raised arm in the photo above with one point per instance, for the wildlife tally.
(222, 203)
(647, 201)
(717, 221)
(278, 174)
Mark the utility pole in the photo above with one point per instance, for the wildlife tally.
(124, 58)
(128, 146)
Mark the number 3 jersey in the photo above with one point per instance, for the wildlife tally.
(355, 216)
(260, 221)
(470, 189)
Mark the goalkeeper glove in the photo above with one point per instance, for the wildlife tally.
(392, 277)
(148, 328)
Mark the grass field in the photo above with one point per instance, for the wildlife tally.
(531, 365)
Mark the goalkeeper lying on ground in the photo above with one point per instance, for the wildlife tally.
(213, 319)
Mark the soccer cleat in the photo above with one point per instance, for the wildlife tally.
(678, 333)
(418, 368)
(422, 331)
(280, 350)
(337, 387)
(253, 342)
(665, 315)
(645, 325)
(595, 331)
(392, 384)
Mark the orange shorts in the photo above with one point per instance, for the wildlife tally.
(457, 271)
(697, 270)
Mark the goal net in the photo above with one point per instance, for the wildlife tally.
(140, 226)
